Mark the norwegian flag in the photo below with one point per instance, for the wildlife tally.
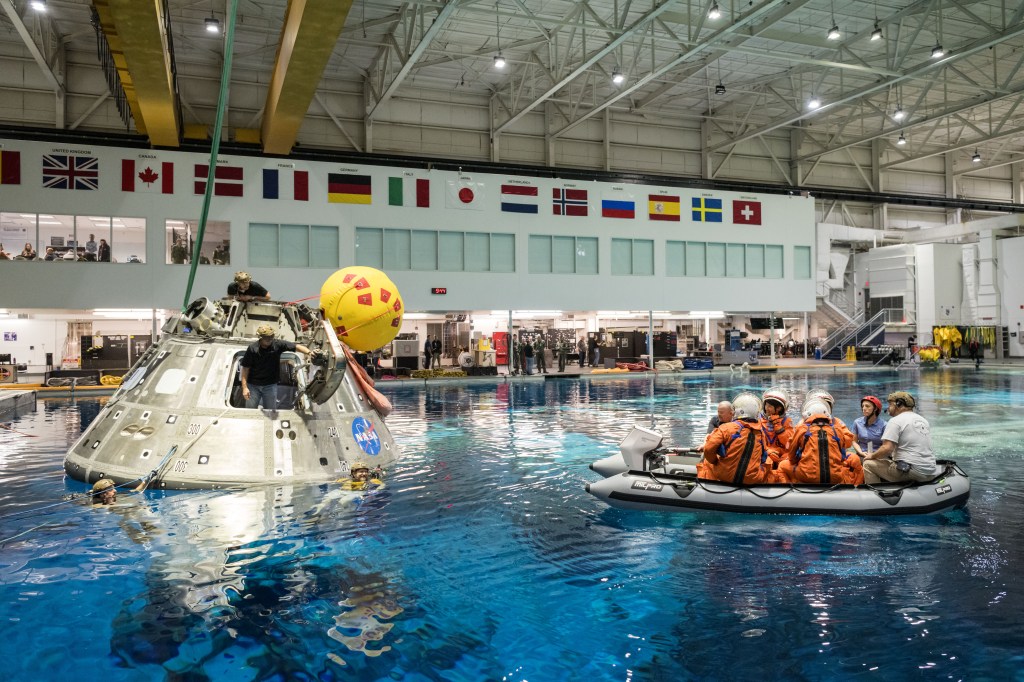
(61, 171)
(570, 202)
(139, 176)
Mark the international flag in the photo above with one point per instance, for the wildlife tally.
(519, 199)
(281, 183)
(10, 168)
(61, 171)
(349, 189)
(227, 180)
(409, 192)
(706, 210)
(464, 194)
(144, 176)
(570, 202)
(623, 207)
(663, 207)
(746, 212)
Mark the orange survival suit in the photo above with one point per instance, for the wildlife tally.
(778, 432)
(734, 453)
(817, 454)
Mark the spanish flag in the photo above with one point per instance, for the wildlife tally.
(10, 168)
(348, 189)
(663, 207)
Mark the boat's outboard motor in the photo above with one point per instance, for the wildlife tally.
(638, 449)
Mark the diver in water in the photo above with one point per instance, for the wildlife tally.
(362, 478)
(103, 493)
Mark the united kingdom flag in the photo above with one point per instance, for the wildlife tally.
(61, 171)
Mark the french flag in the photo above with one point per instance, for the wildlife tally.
(285, 184)
(519, 199)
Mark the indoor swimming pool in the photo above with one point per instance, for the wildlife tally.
(485, 559)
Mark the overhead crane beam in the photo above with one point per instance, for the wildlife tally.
(310, 31)
(135, 31)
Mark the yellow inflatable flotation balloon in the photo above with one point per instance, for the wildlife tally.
(363, 305)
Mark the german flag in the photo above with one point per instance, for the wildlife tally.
(348, 189)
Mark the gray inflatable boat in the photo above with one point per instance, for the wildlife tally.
(652, 481)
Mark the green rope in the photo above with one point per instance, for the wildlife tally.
(215, 146)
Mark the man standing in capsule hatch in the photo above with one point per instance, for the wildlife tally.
(261, 366)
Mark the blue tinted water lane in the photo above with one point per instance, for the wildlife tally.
(484, 559)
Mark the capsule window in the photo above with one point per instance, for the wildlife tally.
(204, 459)
(145, 415)
(201, 353)
(172, 418)
(117, 414)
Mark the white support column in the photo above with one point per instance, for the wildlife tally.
(1015, 190)
(367, 121)
(705, 155)
(607, 118)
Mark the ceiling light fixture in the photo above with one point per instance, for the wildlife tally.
(715, 12)
(833, 33)
(617, 76)
(877, 33)
(898, 114)
(499, 61)
(720, 88)
(212, 24)
(976, 158)
(38, 5)
(902, 141)
(937, 51)
(813, 102)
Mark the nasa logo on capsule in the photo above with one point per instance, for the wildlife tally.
(365, 435)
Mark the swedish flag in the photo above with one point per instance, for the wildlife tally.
(706, 210)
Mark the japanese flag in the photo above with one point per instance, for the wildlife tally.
(464, 194)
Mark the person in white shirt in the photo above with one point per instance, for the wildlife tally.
(906, 452)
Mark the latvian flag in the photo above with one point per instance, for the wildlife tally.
(409, 192)
(10, 168)
(227, 180)
(349, 189)
(569, 201)
(147, 176)
(519, 198)
(285, 184)
(618, 206)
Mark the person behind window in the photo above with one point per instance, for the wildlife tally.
(51, 253)
(103, 254)
(179, 252)
(28, 253)
(90, 246)
(244, 289)
(261, 367)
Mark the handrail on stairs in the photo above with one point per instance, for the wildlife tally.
(830, 341)
(879, 319)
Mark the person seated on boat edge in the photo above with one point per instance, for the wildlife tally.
(906, 453)
(724, 416)
(817, 451)
(734, 452)
(261, 367)
(776, 426)
(103, 493)
(362, 478)
(868, 428)
(245, 290)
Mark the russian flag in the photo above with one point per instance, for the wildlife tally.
(295, 184)
(618, 208)
(519, 199)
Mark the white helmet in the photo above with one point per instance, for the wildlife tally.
(820, 394)
(816, 407)
(746, 405)
(778, 395)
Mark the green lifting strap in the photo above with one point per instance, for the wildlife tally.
(225, 73)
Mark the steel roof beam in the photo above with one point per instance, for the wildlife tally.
(56, 83)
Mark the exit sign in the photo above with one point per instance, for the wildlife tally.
(439, 290)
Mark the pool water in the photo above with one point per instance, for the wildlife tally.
(484, 559)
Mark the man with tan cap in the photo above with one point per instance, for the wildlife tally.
(245, 290)
(261, 368)
(906, 452)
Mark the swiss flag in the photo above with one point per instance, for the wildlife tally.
(139, 175)
(746, 212)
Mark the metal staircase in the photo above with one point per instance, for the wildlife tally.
(858, 334)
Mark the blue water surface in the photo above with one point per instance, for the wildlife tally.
(485, 559)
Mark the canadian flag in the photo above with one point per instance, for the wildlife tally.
(145, 176)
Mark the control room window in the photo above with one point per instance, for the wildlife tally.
(181, 235)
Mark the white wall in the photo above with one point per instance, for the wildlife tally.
(786, 220)
(1011, 287)
(939, 285)
(36, 334)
